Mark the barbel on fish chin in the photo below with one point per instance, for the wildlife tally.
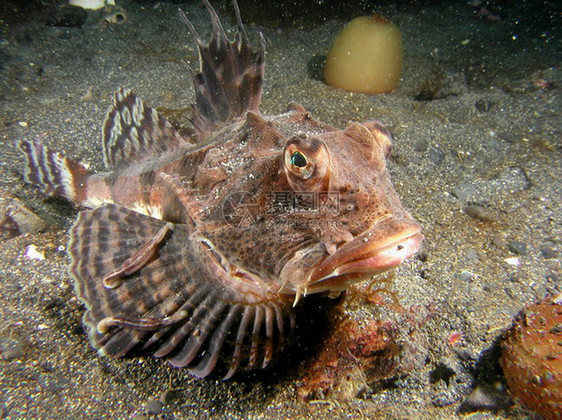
(183, 251)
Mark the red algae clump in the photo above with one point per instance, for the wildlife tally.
(356, 355)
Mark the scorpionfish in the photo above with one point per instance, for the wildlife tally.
(198, 248)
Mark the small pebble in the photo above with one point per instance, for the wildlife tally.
(435, 155)
(511, 180)
(509, 137)
(517, 247)
(420, 146)
(485, 398)
(549, 251)
(53, 382)
(32, 253)
(466, 275)
(464, 191)
(480, 213)
(154, 407)
(11, 347)
(514, 261)
(471, 254)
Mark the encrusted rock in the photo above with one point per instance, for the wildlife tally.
(532, 358)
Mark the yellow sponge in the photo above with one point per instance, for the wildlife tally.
(366, 56)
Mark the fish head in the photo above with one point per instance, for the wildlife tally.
(309, 208)
(358, 222)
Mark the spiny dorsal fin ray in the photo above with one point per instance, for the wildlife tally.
(134, 131)
(165, 298)
(230, 77)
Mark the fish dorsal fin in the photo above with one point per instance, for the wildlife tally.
(133, 131)
(230, 77)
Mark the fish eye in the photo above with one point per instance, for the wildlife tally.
(298, 159)
(305, 161)
(298, 162)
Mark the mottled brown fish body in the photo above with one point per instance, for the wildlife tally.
(199, 248)
(142, 187)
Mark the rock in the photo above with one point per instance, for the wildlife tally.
(485, 398)
(154, 407)
(8, 227)
(466, 276)
(471, 254)
(11, 347)
(28, 221)
(435, 155)
(549, 250)
(32, 253)
(19, 220)
(356, 355)
(420, 146)
(482, 214)
(517, 247)
(464, 191)
(508, 182)
(53, 382)
(532, 358)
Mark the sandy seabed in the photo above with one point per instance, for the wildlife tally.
(476, 120)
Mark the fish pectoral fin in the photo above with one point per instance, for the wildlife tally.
(133, 131)
(163, 297)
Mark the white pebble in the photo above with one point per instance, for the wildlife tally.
(32, 253)
(512, 261)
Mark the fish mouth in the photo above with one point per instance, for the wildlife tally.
(385, 245)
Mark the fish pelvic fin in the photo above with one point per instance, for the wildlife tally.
(54, 174)
(230, 76)
(133, 131)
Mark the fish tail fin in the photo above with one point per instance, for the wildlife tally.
(230, 76)
(54, 174)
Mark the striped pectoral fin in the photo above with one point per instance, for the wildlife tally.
(109, 247)
(54, 174)
(144, 284)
